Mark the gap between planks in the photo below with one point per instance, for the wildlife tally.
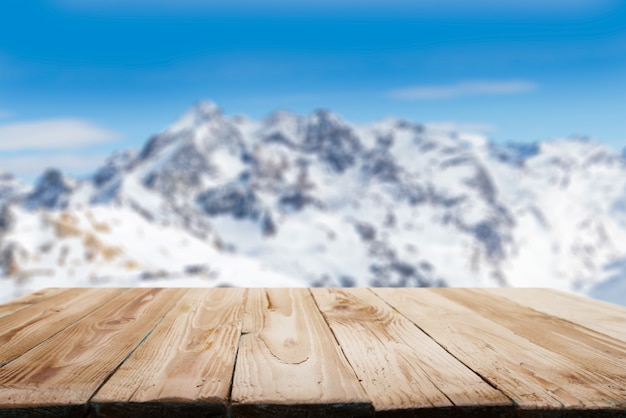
(337, 305)
(289, 363)
(194, 373)
(400, 367)
(527, 371)
(64, 371)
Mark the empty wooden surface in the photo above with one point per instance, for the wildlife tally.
(600, 316)
(400, 367)
(34, 324)
(28, 300)
(187, 361)
(64, 371)
(311, 352)
(288, 356)
(531, 375)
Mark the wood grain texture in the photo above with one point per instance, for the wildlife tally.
(400, 367)
(534, 377)
(311, 352)
(186, 366)
(33, 324)
(66, 369)
(602, 358)
(289, 363)
(594, 314)
(28, 300)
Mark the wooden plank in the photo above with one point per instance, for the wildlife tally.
(32, 325)
(63, 372)
(401, 368)
(594, 314)
(602, 357)
(28, 300)
(186, 366)
(289, 363)
(534, 377)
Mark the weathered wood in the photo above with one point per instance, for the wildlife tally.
(594, 314)
(31, 325)
(302, 352)
(289, 363)
(400, 367)
(602, 358)
(534, 377)
(186, 366)
(64, 371)
(29, 300)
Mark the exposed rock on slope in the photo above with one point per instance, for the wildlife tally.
(326, 202)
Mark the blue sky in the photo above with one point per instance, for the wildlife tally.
(80, 78)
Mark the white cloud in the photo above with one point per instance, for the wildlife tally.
(465, 88)
(29, 167)
(53, 134)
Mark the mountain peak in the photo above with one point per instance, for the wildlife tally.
(52, 190)
(201, 112)
(6, 176)
(324, 116)
(206, 109)
(279, 116)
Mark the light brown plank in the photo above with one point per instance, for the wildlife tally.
(602, 358)
(534, 377)
(186, 366)
(64, 372)
(289, 363)
(28, 300)
(31, 325)
(400, 367)
(594, 314)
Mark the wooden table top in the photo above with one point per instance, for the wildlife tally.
(311, 352)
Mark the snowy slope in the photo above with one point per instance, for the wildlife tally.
(315, 200)
(107, 246)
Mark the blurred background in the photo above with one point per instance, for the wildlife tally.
(396, 143)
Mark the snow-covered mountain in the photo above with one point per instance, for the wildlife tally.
(314, 200)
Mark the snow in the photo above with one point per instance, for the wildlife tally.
(199, 113)
(127, 251)
(411, 205)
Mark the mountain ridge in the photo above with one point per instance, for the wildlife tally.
(325, 202)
